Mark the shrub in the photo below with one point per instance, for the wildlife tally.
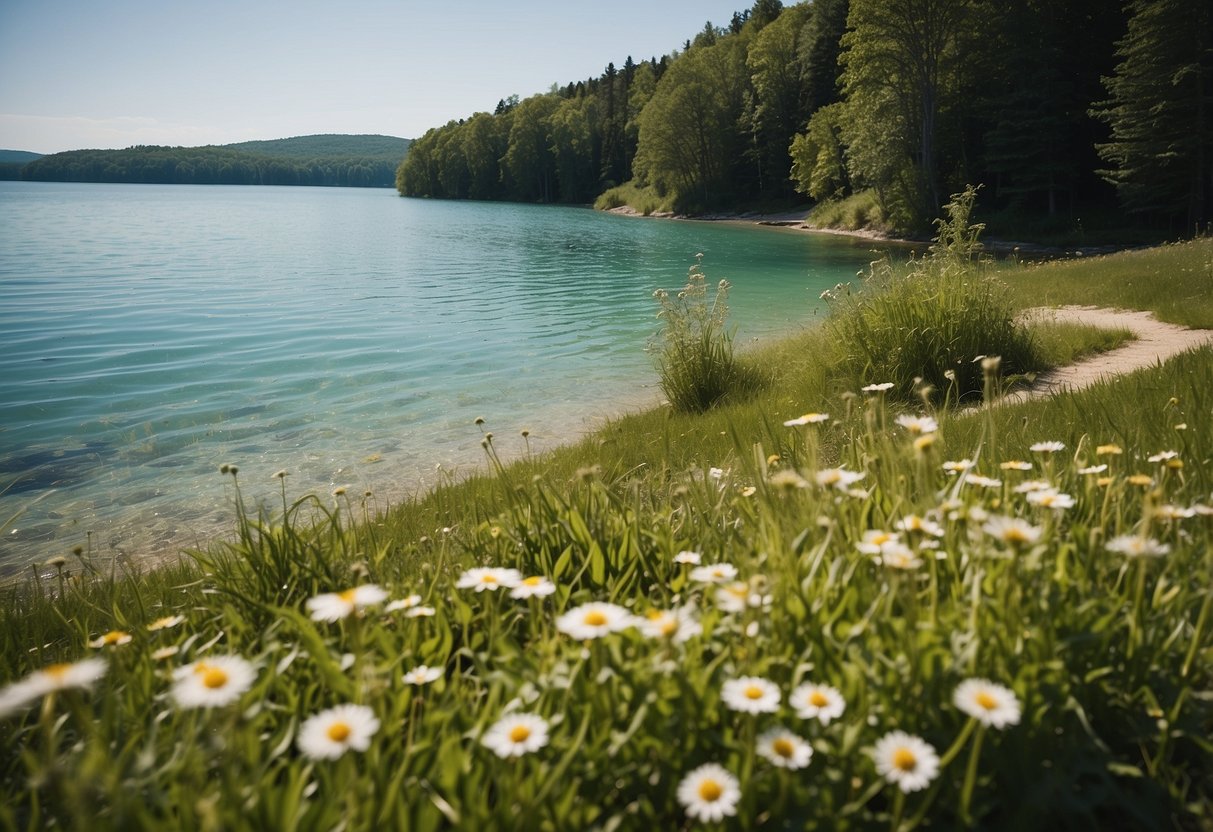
(933, 318)
(694, 351)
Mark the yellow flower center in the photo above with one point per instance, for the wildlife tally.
(669, 627)
(594, 618)
(57, 671)
(339, 731)
(534, 580)
(519, 733)
(347, 595)
(113, 637)
(883, 537)
(710, 790)
(753, 692)
(904, 760)
(986, 701)
(783, 747)
(213, 677)
(1014, 535)
(488, 579)
(818, 699)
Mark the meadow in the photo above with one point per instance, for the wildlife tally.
(832, 600)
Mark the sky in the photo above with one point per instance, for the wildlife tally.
(78, 74)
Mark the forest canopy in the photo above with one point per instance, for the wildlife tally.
(367, 161)
(1055, 109)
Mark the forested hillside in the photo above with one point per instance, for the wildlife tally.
(1061, 111)
(354, 161)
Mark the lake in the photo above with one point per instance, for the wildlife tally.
(149, 333)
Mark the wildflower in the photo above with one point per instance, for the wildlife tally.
(709, 793)
(788, 479)
(878, 388)
(988, 703)
(1135, 546)
(982, 482)
(749, 491)
(1144, 480)
(896, 555)
(1104, 482)
(688, 557)
(913, 523)
(406, 603)
(1015, 465)
(212, 682)
(839, 478)
(1051, 499)
(714, 573)
(113, 638)
(488, 577)
(917, 425)
(535, 586)
(1093, 469)
(422, 675)
(1012, 530)
(330, 733)
(677, 625)
(738, 595)
(906, 760)
(516, 734)
(1050, 447)
(1028, 486)
(873, 539)
(165, 623)
(820, 702)
(420, 612)
(165, 652)
(1108, 450)
(333, 606)
(715, 473)
(1162, 456)
(958, 466)
(922, 443)
(83, 674)
(784, 749)
(1170, 512)
(751, 695)
(594, 620)
(807, 419)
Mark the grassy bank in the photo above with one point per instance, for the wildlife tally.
(877, 562)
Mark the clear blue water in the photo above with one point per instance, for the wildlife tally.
(150, 333)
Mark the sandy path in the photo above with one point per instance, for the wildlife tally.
(1156, 342)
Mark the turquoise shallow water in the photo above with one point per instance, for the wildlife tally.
(149, 333)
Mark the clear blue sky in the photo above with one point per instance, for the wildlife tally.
(112, 73)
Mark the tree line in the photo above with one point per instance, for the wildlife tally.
(214, 165)
(1053, 107)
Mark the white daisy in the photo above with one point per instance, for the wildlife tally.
(1092, 469)
(897, 555)
(1013, 531)
(820, 702)
(422, 675)
(1051, 499)
(1015, 465)
(784, 749)
(677, 625)
(166, 622)
(1029, 486)
(751, 695)
(787, 479)
(709, 793)
(212, 682)
(535, 586)
(688, 557)
(878, 388)
(406, 603)
(924, 525)
(1136, 546)
(55, 677)
(420, 612)
(988, 703)
(839, 478)
(113, 638)
(1162, 456)
(332, 732)
(873, 539)
(917, 424)
(714, 573)
(489, 577)
(1050, 447)
(807, 419)
(906, 760)
(737, 596)
(334, 606)
(516, 734)
(594, 620)
(958, 466)
(982, 481)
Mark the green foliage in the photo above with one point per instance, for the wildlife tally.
(932, 321)
(819, 165)
(694, 349)
(349, 161)
(858, 211)
(641, 199)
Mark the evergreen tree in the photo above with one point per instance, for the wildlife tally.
(1160, 109)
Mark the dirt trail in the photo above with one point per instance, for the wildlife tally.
(1156, 342)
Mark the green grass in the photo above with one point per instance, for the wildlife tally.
(853, 213)
(1108, 656)
(643, 200)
